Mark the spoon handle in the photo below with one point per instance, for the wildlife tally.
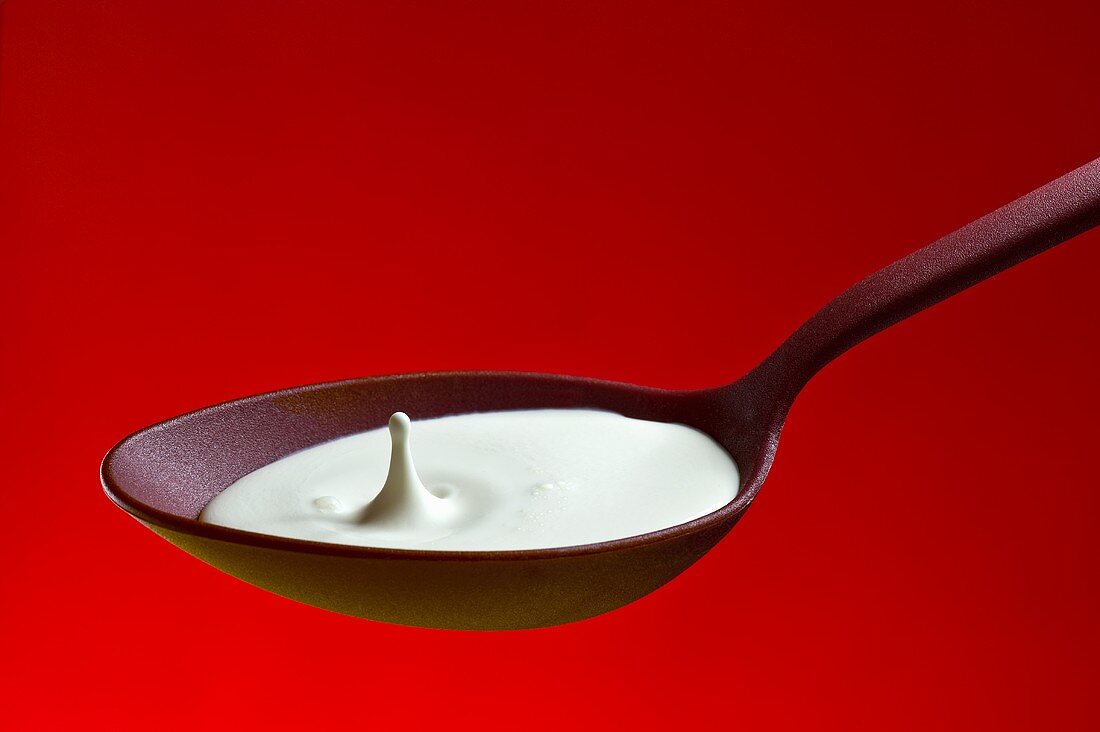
(1029, 225)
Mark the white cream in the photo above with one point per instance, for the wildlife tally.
(487, 481)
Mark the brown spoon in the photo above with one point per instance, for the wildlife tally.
(166, 474)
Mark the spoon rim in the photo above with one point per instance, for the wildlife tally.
(145, 513)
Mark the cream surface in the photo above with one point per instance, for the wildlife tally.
(486, 481)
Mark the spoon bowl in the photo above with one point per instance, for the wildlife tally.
(166, 474)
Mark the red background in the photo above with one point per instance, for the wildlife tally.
(204, 200)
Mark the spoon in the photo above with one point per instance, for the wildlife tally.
(165, 475)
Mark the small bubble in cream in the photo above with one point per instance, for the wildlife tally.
(329, 504)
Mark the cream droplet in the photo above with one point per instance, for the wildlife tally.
(403, 500)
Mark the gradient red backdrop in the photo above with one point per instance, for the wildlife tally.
(203, 200)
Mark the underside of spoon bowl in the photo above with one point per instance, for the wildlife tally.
(166, 474)
(470, 593)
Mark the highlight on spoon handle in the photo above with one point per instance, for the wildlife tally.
(1029, 225)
